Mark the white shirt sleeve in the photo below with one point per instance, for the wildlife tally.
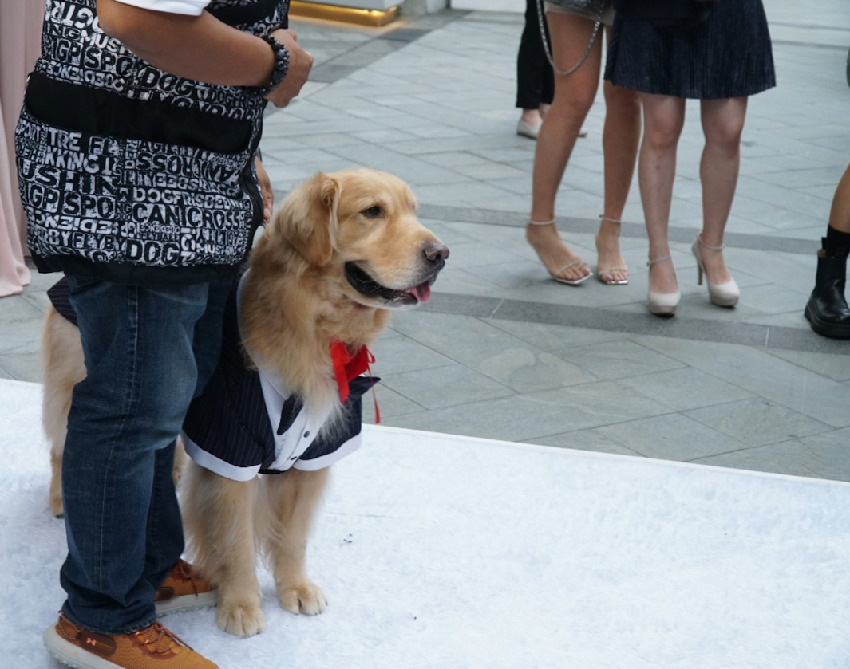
(192, 7)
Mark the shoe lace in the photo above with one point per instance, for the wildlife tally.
(159, 640)
(183, 571)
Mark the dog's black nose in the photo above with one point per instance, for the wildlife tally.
(436, 253)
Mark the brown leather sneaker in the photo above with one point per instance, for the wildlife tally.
(153, 647)
(183, 590)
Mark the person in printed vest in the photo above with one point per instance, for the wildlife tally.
(136, 152)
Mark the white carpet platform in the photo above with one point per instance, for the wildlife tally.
(443, 552)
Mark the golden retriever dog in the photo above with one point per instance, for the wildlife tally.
(342, 251)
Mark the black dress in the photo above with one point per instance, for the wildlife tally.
(727, 55)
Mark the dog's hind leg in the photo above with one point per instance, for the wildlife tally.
(64, 367)
(294, 497)
(217, 519)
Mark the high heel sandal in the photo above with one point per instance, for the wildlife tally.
(721, 294)
(601, 272)
(556, 275)
(662, 304)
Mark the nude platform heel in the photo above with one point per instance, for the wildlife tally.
(721, 294)
(662, 304)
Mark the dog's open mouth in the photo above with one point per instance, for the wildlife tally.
(368, 287)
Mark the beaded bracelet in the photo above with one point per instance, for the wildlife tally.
(281, 65)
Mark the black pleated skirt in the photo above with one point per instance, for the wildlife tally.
(728, 55)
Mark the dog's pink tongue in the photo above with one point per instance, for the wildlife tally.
(422, 292)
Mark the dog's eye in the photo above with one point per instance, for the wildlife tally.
(373, 212)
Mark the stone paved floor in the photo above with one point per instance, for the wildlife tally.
(503, 352)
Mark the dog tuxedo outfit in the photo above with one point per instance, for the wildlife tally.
(246, 422)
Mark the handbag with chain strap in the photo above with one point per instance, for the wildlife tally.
(596, 6)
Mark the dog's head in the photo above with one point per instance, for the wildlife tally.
(359, 226)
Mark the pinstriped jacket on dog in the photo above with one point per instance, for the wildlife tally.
(246, 421)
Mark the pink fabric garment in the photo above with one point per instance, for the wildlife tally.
(20, 46)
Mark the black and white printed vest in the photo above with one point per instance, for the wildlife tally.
(132, 174)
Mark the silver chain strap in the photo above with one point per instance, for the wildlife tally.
(548, 50)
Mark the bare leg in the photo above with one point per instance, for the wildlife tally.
(620, 139)
(664, 118)
(722, 124)
(839, 215)
(574, 94)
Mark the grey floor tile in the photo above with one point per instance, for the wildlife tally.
(790, 320)
(593, 439)
(614, 360)
(757, 422)
(685, 388)
(19, 308)
(819, 456)
(470, 254)
(555, 338)
(835, 367)
(390, 405)
(467, 340)
(513, 419)
(287, 176)
(501, 237)
(525, 369)
(493, 172)
(441, 387)
(775, 299)
(455, 160)
(462, 282)
(672, 436)
(762, 374)
(400, 354)
(21, 366)
(536, 415)
(513, 278)
(594, 405)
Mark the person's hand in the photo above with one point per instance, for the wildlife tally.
(265, 189)
(300, 64)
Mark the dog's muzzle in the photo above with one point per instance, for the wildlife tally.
(434, 256)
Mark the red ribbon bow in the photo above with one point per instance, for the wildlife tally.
(347, 366)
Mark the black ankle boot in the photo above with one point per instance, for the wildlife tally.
(827, 309)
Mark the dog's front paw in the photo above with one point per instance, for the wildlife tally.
(241, 618)
(306, 598)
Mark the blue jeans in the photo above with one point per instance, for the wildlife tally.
(148, 351)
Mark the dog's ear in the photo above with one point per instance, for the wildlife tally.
(308, 218)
